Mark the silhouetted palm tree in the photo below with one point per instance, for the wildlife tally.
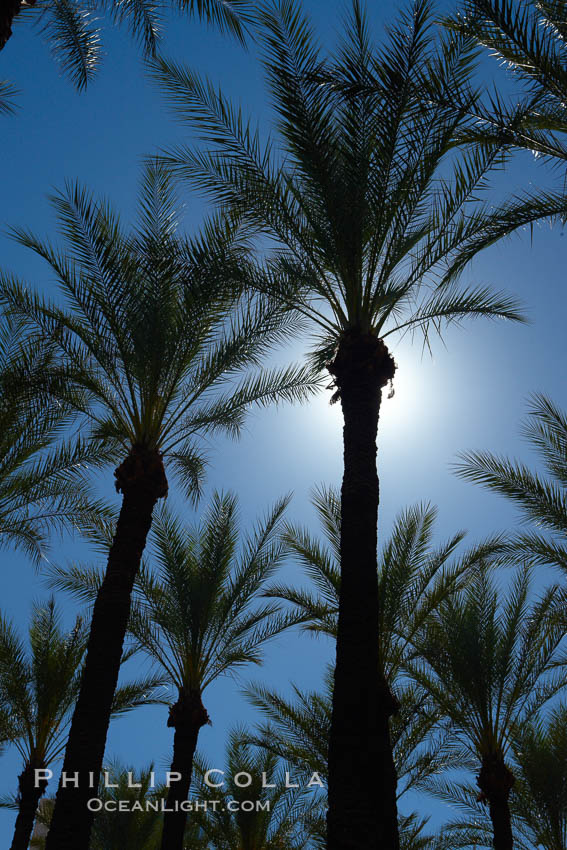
(363, 213)
(198, 618)
(151, 346)
(490, 663)
(414, 577)
(38, 689)
(137, 828)
(538, 800)
(542, 498)
(199, 615)
(265, 814)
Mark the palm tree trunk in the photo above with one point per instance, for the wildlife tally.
(362, 778)
(187, 717)
(30, 793)
(495, 780)
(141, 479)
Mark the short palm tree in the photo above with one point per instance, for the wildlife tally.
(38, 689)
(490, 663)
(199, 617)
(541, 496)
(356, 198)
(137, 828)
(150, 347)
(42, 476)
(257, 811)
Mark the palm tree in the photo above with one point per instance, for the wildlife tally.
(297, 731)
(137, 828)
(196, 616)
(362, 215)
(255, 810)
(542, 498)
(42, 476)
(489, 664)
(73, 32)
(414, 577)
(151, 346)
(38, 689)
(197, 620)
(538, 801)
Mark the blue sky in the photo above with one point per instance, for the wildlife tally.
(470, 394)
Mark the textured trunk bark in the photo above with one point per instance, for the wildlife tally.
(362, 814)
(496, 780)
(29, 797)
(187, 717)
(141, 479)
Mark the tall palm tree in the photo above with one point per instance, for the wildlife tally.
(541, 496)
(490, 663)
(256, 812)
(73, 32)
(42, 476)
(38, 689)
(356, 198)
(152, 348)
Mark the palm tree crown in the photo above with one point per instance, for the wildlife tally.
(147, 338)
(283, 821)
(353, 194)
(198, 613)
(414, 576)
(531, 38)
(490, 664)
